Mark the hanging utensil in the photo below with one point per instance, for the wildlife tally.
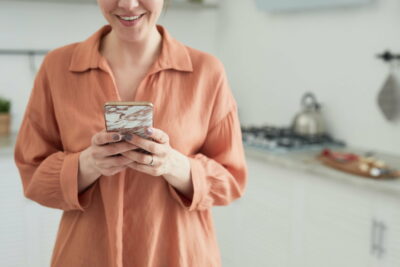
(388, 98)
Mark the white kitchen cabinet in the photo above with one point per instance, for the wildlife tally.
(266, 218)
(347, 225)
(336, 224)
(12, 221)
(27, 230)
(256, 229)
(385, 231)
(298, 218)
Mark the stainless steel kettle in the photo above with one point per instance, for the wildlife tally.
(309, 122)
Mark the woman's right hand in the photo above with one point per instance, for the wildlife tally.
(101, 158)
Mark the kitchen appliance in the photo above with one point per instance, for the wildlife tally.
(309, 121)
(284, 139)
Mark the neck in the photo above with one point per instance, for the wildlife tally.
(122, 53)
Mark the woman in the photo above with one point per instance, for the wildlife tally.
(132, 209)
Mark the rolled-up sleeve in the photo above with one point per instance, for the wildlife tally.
(49, 174)
(218, 170)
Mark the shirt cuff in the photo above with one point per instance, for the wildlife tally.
(199, 188)
(69, 184)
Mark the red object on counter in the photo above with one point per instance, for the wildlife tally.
(343, 157)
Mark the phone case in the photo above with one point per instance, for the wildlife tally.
(128, 117)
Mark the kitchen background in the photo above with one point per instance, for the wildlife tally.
(272, 58)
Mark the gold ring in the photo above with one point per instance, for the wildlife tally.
(151, 162)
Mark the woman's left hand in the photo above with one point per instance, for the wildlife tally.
(163, 160)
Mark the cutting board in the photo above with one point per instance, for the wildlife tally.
(353, 168)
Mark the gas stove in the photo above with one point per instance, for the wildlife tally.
(283, 139)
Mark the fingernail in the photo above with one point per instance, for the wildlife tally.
(116, 137)
(149, 131)
(128, 137)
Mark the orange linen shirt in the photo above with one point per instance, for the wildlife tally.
(132, 219)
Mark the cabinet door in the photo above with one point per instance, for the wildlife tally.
(260, 231)
(337, 224)
(41, 227)
(27, 230)
(12, 223)
(227, 220)
(385, 241)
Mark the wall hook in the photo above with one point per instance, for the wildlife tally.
(388, 56)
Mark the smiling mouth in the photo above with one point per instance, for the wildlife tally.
(130, 18)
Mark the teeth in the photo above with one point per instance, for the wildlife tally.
(130, 18)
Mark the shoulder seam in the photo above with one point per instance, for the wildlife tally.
(229, 113)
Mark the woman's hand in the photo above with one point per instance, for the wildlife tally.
(163, 160)
(101, 158)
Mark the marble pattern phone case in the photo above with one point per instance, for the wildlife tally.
(128, 117)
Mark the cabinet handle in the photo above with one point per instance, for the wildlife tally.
(374, 233)
(378, 229)
(381, 234)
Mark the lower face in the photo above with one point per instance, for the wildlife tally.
(132, 20)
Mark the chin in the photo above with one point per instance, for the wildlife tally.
(129, 35)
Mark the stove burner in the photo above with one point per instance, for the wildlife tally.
(284, 139)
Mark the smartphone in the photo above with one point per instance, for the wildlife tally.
(129, 117)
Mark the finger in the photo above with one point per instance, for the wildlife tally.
(103, 138)
(112, 162)
(158, 135)
(140, 157)
(148, 145)
(112, 149)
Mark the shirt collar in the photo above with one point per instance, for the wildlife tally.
(174, 54)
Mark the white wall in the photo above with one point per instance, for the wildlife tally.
(272, 59)
(36, 26)
(25, 25)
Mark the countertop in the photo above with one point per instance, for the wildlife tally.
(304, 161)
